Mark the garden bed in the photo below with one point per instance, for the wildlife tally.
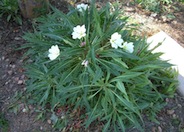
(12, 76)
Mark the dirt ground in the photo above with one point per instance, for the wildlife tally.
(12, 78)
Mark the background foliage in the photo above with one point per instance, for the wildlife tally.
(159, 6)
(10, 9)
(3, 123)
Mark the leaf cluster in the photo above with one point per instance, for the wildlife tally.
(10, 9)
(115, 88)
(3, 123)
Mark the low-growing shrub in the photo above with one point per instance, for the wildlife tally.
(88, 59)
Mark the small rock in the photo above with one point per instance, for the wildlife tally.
(151, 18)
(6, 83)
(24, 110)
(174, 22)
(130, 9)
(17, 38)
(10, 72)
(13, 66)
(21, 61)
(3, 58)
(159, 129)
(170, 112)
(16, 79)
(164, 18)
(179, 105)
(174, 116)
(49, 121)
(153, 14)
(153, 129)
(41, 128)
(23, 76)
(161, 118)
(20, 82)
(167, 100)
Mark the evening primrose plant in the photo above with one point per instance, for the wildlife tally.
(88, 59)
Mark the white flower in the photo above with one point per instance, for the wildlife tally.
(82, 7)
(53, 52)
(79, 32)
(85, 63)
(128, 47)
(116, 40)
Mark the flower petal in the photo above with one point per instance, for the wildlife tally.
(82, 7)
(54, 52)
(116, 40)
(85, 63)
(79, 32)
(129, 47)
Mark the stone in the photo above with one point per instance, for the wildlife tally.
(49, 121)
(174, 116)
(164, 18)
(20, 82)
(24, 110)
(170, 112)
(153, 14)
(16, 79)
(179, 105)
(3, 58)
(153, 129)
(167, 100)
(159, 129)
(10, 72)
(172, 52)
(17, 38)
(23, 77)
(174, 22)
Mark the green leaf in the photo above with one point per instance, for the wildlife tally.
(93, 95)
(9, 17)
(104, 104)
(128, 104)
(121, 87)
(93, 115)
(121, 124)
(120, 62)
(126, 76)
(106, 127)
(109, 94)
(97, 75)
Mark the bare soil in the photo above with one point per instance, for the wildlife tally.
(12, 78)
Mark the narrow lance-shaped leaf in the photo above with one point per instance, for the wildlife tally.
(126, 76)
(121, 87)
